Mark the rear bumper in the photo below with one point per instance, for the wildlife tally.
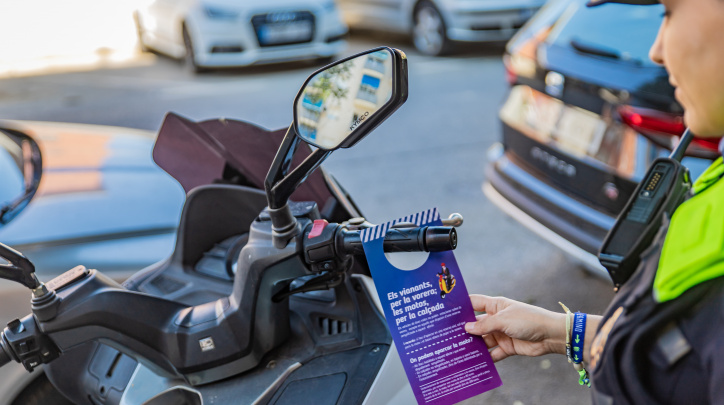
(565, 222)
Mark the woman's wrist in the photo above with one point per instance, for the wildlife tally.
(557, 333)
(591, 329)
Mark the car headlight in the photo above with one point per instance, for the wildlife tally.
(220, 13)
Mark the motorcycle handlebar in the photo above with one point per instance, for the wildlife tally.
(423, 239)
(4, 355)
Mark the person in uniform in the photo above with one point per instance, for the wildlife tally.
(662, 338)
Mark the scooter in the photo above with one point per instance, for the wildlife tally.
(443, 284)
(265, 299)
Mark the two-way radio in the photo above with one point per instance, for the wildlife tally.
(666, 185)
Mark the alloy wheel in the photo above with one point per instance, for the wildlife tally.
(429, 30)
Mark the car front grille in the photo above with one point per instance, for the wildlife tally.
(284, 28)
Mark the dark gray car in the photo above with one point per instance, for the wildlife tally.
(586, 115)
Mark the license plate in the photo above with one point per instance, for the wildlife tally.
(579, 132)
(542, 112)
(549, 121)
(288, 32)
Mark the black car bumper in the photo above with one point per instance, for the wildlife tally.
(568, 223)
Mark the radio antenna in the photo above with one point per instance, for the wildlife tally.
(678, 153)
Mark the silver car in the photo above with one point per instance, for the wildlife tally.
(435, 25)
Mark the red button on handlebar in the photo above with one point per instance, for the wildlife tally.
(317, 228)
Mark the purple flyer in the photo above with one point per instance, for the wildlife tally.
(426, 310)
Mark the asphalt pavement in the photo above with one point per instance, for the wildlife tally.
(431, 153)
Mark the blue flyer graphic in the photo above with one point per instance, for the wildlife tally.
(426, 310)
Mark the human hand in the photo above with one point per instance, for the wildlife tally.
(513, 328)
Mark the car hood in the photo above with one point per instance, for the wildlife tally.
(98, 183)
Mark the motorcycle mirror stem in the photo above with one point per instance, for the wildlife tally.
(336, 107)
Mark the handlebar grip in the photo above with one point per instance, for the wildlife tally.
(4, 355)
(424, 239)
(441, 238)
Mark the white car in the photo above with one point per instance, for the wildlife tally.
(435, 25)
(225, 33)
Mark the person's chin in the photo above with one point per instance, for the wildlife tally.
(702, 128)
(678, 95)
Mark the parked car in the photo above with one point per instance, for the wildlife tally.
(586, 115)
(435, 25)
(75, 194)
(225, 33)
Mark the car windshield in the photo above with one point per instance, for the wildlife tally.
(12, 182)
(612, 30)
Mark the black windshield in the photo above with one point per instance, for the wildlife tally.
(612, 31)
(222, 150)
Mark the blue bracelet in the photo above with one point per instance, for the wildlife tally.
(578, 335)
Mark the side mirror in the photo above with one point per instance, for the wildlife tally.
(343, 102)
(336, 107)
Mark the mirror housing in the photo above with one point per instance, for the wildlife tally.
(341, 103)
(281, 180)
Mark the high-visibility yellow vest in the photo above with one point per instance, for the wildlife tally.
(693, 250)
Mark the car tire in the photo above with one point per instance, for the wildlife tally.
(428, 30)
(326, 60)
(139, 33)
(190, 56)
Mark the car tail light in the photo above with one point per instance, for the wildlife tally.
(521, 61)
(517, 65)
(665, 129)
(510, 75)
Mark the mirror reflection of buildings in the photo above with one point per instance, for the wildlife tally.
(340, 98)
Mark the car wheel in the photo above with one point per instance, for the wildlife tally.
(139, 33)
(190, 56)
(326, 60)
(428, 32)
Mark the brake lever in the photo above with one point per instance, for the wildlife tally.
(455, 220)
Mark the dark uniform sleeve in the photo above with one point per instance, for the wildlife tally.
(715, 357)
(703, 367)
